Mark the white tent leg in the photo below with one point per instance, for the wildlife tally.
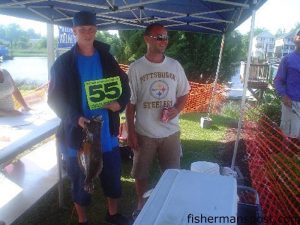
(50, 49)
(50, 46)
(60, 169)
(211, 104)
(244, 89)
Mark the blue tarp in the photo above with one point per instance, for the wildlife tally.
(3, 51)
(206, 16)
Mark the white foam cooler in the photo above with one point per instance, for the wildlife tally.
(181, 197)
(205, 167)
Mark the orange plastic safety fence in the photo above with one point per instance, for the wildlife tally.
(34, 96)
(274, 165)
(201, 95)
(38, 95)
(124, 67)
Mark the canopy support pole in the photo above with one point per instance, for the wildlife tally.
(50, 46)
(51, 58)
(245, 88)
(211, 104)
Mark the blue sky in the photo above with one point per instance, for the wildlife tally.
(273, 15)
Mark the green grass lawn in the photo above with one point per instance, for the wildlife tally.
(198, 144)
(29, 52)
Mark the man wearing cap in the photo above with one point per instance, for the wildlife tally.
(287, 85)
(87, 81)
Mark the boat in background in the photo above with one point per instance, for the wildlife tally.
(4, 53)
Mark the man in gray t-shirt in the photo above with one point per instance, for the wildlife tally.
(159, 88)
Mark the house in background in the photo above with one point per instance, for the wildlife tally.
(284, 45)
(263, 45)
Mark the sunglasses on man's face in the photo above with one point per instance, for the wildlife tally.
(160, 37)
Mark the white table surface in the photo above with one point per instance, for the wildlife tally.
(18, 133)
(180, 193)
(24, 181)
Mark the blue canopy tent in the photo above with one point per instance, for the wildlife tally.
(216, 17)
(207, 16)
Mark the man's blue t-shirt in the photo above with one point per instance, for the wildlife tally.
(90, 69)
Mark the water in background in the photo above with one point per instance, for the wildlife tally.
(236, 86)
(27, 69)
(34, 70)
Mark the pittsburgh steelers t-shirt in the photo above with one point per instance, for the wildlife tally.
(153, 87)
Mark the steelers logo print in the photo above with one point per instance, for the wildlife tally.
(159, 89)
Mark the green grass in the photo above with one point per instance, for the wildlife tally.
(232, 109)
(198, 144)
(29, 52)
(201, 144)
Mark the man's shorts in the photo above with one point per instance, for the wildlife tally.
(168, 151)
(290, 120)
(109, 177)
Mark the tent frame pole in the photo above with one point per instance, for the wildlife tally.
(242, 107)
(51, 58)
(50, 46)
(211, 104)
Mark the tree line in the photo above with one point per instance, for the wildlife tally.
(197, 52)
(14, 37)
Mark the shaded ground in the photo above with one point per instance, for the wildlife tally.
(214, 144)
(226, 153)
